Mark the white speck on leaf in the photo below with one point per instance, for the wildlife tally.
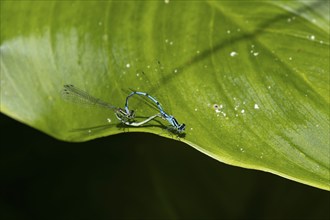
(233, 53)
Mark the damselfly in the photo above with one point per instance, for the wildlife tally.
(170, 118)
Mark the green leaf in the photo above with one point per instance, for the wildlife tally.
(249, 79)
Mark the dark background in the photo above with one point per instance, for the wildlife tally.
(138, 176)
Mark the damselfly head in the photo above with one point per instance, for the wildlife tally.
(181, 128)
(131, 114)
(175, 123)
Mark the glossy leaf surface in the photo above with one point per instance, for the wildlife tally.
(249, 79)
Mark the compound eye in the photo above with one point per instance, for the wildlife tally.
(182, 127)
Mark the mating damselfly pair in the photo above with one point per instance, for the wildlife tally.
(126, 116)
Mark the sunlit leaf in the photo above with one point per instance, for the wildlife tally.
(250, 79)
